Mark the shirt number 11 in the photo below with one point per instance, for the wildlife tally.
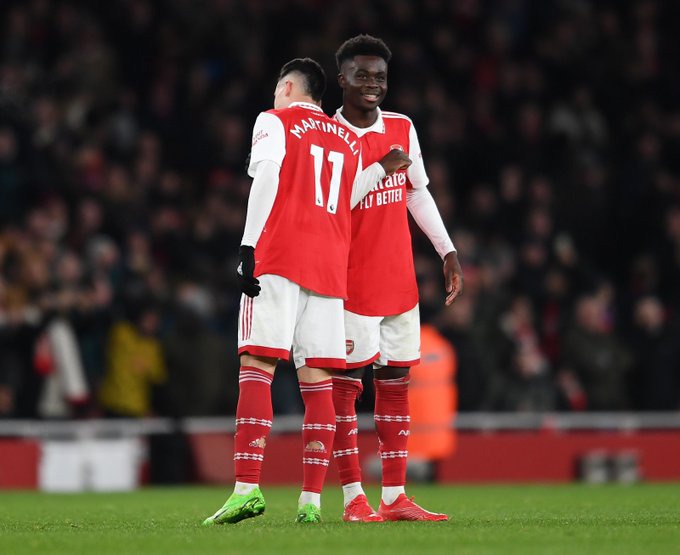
(337, 159)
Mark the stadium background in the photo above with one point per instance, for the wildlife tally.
(550, 131)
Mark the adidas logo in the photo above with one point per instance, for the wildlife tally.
(260, 443)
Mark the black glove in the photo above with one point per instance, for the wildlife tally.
(246, 266)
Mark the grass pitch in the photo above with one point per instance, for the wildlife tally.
(485, 519)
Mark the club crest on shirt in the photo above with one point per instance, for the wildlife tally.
(349, 346)
(315, 447)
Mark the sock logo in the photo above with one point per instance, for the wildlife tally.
(315, 447)
(260, 443)
(349, 346)
(403, 433)
(353, 432)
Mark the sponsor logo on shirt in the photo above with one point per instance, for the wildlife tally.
(261, 134)
(390, 190)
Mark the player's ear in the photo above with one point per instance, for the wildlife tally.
(341, 80)
(288, 88)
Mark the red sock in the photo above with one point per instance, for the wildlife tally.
(393, 423)
(346, 391)
(317, 433)
(253, 422)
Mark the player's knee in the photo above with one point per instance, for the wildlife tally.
(391, 372)
(268, 364)
(355, 373)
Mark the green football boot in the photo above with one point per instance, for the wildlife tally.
(238, 508)
(308, 513)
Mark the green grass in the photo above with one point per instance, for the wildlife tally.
(485, 519)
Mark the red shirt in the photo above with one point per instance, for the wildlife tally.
(306, 237)
(381, 278)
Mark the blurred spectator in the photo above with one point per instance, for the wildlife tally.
(524, 383)
(202, 372)
(135, 364)
(595, 362)
(472, 361)
(657, 369)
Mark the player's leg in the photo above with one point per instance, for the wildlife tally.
(362, 348)
(318, 347)
(266, 325)
(400, 349)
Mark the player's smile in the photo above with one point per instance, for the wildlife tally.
(365, 81)
(372, 96)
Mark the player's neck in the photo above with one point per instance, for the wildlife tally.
(359, 118)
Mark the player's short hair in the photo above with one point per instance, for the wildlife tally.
(362, 45)
(313, 74)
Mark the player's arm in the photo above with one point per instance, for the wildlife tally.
(422, 207)
(264, 166)
(366, 179)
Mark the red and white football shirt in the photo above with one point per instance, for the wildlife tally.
(306, 237)
(381, 278)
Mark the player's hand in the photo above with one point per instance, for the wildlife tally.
(249, 284)
(453, 277)
(394, 161)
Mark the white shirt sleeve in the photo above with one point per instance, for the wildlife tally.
(365, 181)
(269, 141)
(416, 171)
(260, 201)
(422, 207)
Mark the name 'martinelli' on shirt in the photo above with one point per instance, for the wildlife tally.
(308, 124)
(387, 191)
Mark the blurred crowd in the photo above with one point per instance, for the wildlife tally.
(551, 135)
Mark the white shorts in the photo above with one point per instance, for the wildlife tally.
(383, 340)
(285, 315)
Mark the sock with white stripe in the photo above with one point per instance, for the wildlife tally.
(318, 430)
(346, 391)
(393, 424)
(253, 422)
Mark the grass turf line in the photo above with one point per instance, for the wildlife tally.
(485, 519)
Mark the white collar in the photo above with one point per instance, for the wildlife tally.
(307, 105)
(377, 127)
